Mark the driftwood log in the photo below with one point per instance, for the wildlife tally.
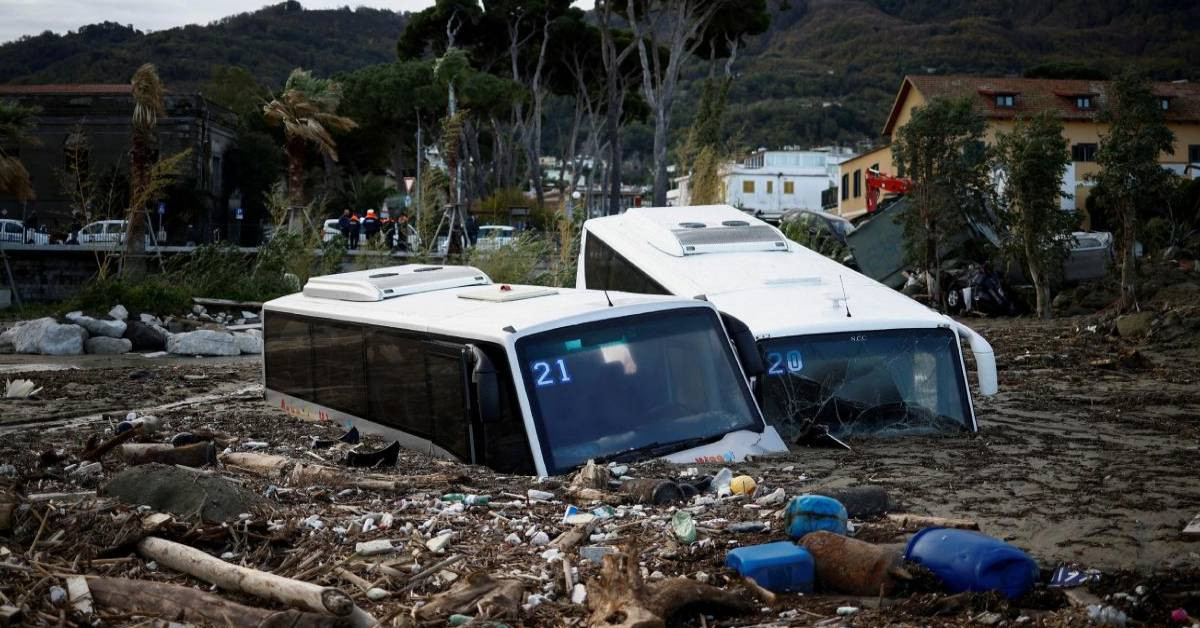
(185, 604)
(909, 522)
(478, 593)
(194, 455)
(261, 584)
(263, 465)
(620, 598)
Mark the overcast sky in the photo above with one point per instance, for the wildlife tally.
(31, 17)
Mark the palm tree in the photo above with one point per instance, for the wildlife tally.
(16, 123)
(148, 94)
(307, 110)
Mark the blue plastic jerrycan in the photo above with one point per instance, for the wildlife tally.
(781, 566)
(970, 561)
(809, 513)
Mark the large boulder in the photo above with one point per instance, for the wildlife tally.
(145, 337)
(187, 494)
(60, 339)
(103, 345)
(249, 343)
(1135, 325)
(8, 339)
(98, 326)
(203, 342)
(27, 337)
(118, 313)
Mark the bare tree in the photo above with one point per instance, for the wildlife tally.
(672, 27)
(616, 85)
(529, 124)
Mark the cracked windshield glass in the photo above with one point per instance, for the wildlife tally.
(880, 382)
(663, 381)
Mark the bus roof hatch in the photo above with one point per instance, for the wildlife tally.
(393, 281)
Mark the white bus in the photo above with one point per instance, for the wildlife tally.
(521, 379)
(838, 349)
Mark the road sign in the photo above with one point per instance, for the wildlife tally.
(238, 213)
(408, 200)
(162, 208)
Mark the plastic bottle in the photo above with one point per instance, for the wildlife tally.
(684, 527)
(720, 483)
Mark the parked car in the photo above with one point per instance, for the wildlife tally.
(106, 232)
(12, 231)
(103, 231)
(494, 237)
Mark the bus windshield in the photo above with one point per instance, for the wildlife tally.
(873, 382)
(649, 384)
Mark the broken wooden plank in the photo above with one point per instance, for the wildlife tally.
(908, 521)
(257, 305)
(60, 497)
(1081, 598)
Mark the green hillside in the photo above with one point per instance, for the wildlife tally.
(269, 42)
(826, 71)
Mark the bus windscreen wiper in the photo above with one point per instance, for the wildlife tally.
(656, 449)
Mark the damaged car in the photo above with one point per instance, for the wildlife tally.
(521, 379)
(841, 353)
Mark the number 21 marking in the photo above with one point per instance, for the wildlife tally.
(545, 373)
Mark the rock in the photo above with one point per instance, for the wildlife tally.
(104, 345)
(118, 313)
(98, 326)
(145, 337)
(182, 325)
(1135, 325)
(28, 335)
(248, 343)
(199, 309)
(150, 319)
(375, 594)
(184, 493)
(1061, 300)
(203, 342)
(8, 339)
(62, 340)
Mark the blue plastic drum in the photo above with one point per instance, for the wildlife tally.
(809, 513)
(970, 561)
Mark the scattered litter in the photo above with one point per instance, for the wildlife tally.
(578, 594)
(683, 527)
(1107, 615)
(541, 496)
(779, 566)
(742, 485)
(20, 389)
(846, 611)
(809, 513)
(970, 561)
(1066, 576)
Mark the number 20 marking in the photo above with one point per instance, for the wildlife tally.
(776, 362)
(545, 373)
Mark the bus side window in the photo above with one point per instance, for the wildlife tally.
(447, 408)
(505, 446)
(339, 374)
(288, 355)
(396, 387)
(605, 269)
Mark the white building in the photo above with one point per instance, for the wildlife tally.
(771, 182)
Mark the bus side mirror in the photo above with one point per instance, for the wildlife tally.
(487, 386)
(745, 345)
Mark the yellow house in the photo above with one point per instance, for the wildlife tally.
(1003, 100)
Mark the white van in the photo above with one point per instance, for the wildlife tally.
(522, 379)
(838, 348)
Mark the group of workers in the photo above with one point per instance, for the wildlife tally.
(394, 230)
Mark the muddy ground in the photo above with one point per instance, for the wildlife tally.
(1088, 454)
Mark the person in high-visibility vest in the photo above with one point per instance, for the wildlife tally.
(370, 225)
(353, 231)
